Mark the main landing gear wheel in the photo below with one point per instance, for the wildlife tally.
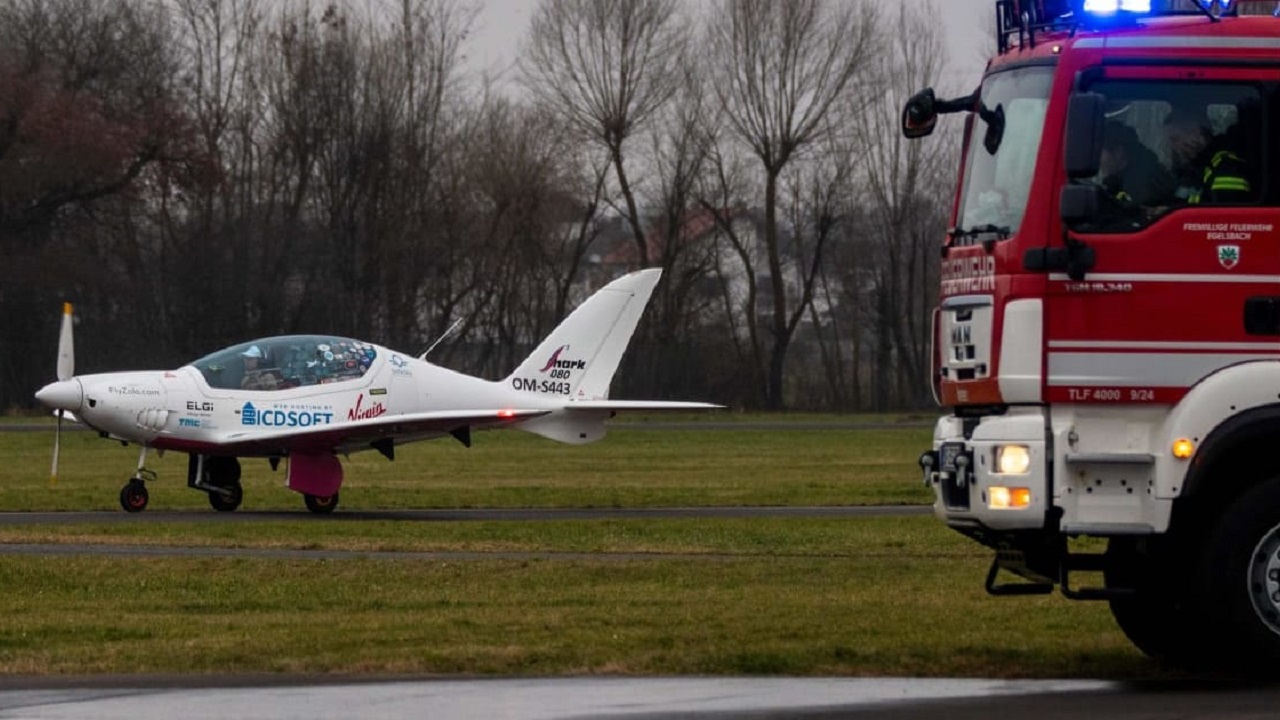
(226, 498)
(133, 496)
(321, 504)
(223, 474)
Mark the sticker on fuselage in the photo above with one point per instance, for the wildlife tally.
(287, 416)
(366, 412)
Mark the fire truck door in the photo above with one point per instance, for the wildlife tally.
(1186, 242)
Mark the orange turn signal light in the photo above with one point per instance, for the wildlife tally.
(1008, 498)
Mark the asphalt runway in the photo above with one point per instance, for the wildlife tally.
(766, 698)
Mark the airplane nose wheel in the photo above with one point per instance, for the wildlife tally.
(321, 504)
(133, 496)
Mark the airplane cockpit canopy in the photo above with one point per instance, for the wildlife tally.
(281, 363)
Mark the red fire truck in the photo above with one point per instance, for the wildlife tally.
(1107, 338)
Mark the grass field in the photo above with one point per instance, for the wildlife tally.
(631, 468)
(875, 596)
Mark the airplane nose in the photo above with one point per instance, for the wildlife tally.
(62, 395)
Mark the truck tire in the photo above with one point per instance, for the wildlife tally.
(1241, 580)
(1160, 615)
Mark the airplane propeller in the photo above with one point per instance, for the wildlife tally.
(66, 369)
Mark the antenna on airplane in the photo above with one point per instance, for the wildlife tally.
(66, 369)
(439, 340)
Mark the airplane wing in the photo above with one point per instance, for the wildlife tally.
(362, 434)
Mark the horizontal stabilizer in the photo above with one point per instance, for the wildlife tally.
(639, 406)
(583, 421)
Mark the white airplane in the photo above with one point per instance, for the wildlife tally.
(309, 398)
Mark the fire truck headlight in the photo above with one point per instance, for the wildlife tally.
(1007, 498)
(1013, 459)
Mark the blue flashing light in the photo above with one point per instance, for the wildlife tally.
(1106, 8)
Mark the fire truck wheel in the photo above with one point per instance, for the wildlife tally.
(1241, 571)
(1159, 616)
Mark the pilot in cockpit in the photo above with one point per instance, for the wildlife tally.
(256, 376)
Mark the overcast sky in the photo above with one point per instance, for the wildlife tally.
(501, 25)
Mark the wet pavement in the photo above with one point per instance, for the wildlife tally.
(504, 699)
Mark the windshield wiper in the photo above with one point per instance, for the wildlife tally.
(1002, 232)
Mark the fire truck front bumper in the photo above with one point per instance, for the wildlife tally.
(990, 472)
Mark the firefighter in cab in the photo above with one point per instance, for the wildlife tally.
(1130, 171)
(1207, 168)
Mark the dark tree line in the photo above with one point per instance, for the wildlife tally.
(194, 173)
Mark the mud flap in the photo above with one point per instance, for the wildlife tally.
(319, 475)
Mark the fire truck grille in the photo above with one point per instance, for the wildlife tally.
(956, 476)
(955, 496)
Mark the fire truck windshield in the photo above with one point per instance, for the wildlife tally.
(1000, 164)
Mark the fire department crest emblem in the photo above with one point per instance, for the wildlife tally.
(1229, 255)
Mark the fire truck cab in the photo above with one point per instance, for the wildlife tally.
(1107, 338)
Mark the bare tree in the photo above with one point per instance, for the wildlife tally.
(430, 152)
(89, 121)
(607, 67)
(818, 195)
(82, 113)
(779, 70)
(364, 104)
(214, 267)
(907, 192)
(534, 205)
(681, 147)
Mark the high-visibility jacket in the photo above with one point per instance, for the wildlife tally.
(1224, 180)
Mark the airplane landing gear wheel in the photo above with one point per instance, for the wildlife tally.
(228, 499)
(222, 483)
(321, 504)
(133, 496)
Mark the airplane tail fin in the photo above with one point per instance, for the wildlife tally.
(578, 359)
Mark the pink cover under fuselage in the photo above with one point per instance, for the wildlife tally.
(319, 475)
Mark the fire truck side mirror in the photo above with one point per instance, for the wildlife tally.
(919, 115)
(1082, 149)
